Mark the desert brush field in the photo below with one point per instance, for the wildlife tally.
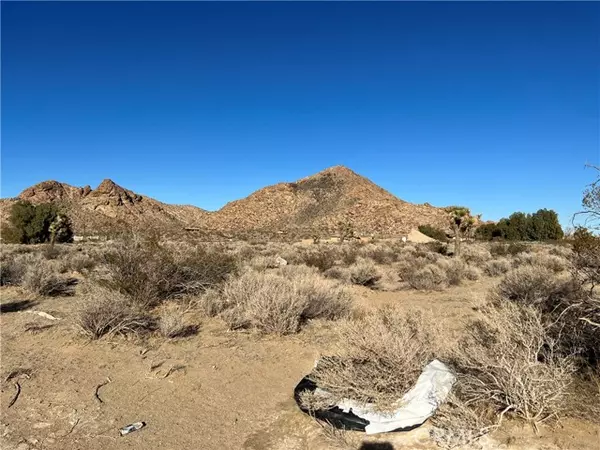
(205, 342)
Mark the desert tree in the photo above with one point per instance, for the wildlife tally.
(462, 223)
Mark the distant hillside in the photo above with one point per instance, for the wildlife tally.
(315, 204)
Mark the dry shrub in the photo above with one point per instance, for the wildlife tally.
(104, 312)
(507, 361)
(80, 262)
(339, 273)
(458, 426)
(321, 257)
(514, 248)
(570, 314)
(262, 263)
(429, 278)
(497, 267)
(455, 270)
(475, 254)
(349, 254)
(364, 272)
(41, 277)
(149, 273)
(472, 273)
(171, 322)
(212, 303)
(12, 270)
(379, 359)
(555, 263)
(379, 253)
(528, 284)
(280, 303)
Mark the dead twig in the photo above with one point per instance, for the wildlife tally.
(173, 369)
(16, 396)
(96, 393)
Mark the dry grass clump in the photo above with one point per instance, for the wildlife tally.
(279, 303)
(528, 284)
(172, 323)
(149, 273)
(497, 267)
(364, 272)
(507, 361)
(41, 277)
(104, 312)
(380, 357)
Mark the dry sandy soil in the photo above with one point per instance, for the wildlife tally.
(214, 390)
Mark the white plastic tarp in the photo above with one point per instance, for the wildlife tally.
(418, 404)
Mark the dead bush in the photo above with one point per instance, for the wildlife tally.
(497, 267)
(430, 277)
(364, 272)
(380, 357)
(274, 303)
(104, 312)
(507, 361)
(528, 284)
(41, 277)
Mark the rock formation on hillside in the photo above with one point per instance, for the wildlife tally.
(313, 205)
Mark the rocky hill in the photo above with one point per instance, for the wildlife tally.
(312, 205)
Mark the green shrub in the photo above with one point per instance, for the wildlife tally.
(542, 225)
(433, 232)
(35, 224)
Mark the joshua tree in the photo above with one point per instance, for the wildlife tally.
(461, 222)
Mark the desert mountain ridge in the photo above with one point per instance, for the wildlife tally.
(312, 205)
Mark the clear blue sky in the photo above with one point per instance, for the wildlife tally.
(492, 105)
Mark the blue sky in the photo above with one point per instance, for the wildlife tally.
(492, 105)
